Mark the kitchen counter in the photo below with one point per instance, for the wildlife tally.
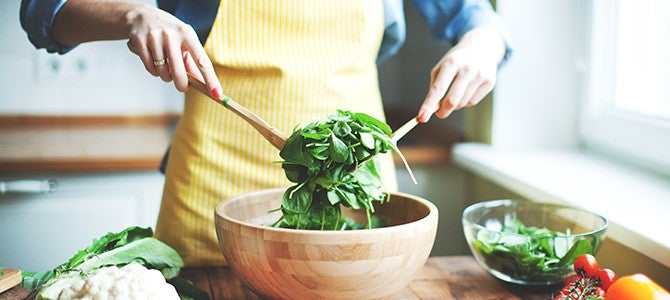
(447, 277)
(83, 143)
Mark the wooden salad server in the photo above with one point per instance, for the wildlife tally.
(272, 134)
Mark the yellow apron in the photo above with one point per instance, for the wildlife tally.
(289, 61)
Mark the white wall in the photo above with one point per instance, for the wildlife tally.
(95, 78)
(537, 93)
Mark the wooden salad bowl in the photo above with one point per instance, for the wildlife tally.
(279, 263)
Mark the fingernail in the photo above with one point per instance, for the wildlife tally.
(424, 116)
(216, 93)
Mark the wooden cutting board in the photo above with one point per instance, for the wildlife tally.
(9, 279)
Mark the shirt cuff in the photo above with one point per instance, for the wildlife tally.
(37, 19)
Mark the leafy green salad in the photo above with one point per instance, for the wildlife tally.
(329, 162)
(531, 253)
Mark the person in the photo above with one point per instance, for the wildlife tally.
(287, 60)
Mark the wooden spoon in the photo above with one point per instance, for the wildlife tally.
(272, 134)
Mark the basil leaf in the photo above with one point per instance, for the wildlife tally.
(372, 122)
(297, 199)
(367, 140)
(579, 248)
(339, 151)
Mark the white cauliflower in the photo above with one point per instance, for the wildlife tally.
(131, 282)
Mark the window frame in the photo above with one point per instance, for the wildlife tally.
(635, 138)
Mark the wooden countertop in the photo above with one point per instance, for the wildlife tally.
(83, 143)
(445, 278)
(449, 277)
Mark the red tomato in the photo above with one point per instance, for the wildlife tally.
(572, 279)
(586, 265)
(605, 278)
(598, 292)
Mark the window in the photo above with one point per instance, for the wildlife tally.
(627, 91)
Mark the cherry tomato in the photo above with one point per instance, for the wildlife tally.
(567, 290)
(598, 292)
(572, 279)
(586, 265)
(605, 278)
(636, 287)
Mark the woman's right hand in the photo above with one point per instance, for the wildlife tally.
(169, 48)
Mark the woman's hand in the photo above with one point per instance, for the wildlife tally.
(465, 74)
(167, 46)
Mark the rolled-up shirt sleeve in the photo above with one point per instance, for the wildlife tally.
(37, 17)
(450, 20)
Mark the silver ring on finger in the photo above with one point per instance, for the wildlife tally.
(160, 62)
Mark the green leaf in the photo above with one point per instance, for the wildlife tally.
(149, 252)
(349, 198)
(377, 222)
(297, 199)
(341, 128)
(292, 151)
(33, 280)
(367, 140)
(109, 241)
(295, 173)
(339, 151)
(333, 198)
(373, 122)
(580, 247)
(187, 290)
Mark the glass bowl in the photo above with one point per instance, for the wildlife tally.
(530, 243)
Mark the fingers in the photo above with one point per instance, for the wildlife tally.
(191, 67)
(138, 46)
(155, 44)
(453, 99)
(456, 83)
(441, 78)
(176, 66)
(162, 42)
(481, 92)
(203, 66)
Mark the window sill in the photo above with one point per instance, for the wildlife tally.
(636, 203)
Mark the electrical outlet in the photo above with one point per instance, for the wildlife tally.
(69, 67)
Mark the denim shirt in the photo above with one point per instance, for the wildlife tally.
(449, 21)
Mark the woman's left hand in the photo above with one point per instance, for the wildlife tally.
(465, 74)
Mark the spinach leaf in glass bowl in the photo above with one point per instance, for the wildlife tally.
(505, 245)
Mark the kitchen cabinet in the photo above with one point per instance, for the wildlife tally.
(41, 230)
